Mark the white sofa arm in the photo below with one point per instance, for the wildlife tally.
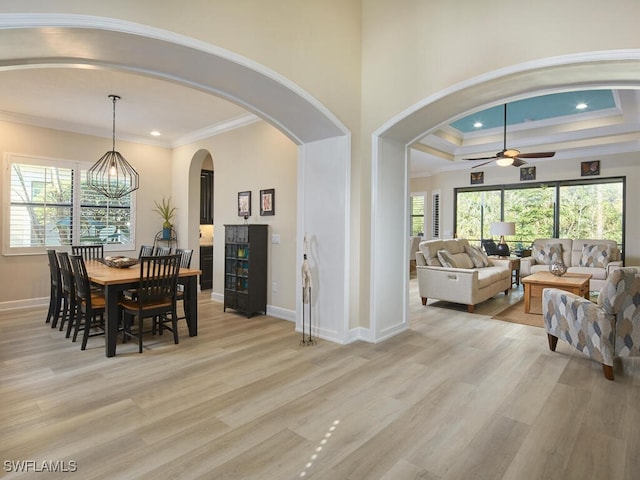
(611, 266)
(420, 260)
(502, 263)
(525, 265)
(450, 284)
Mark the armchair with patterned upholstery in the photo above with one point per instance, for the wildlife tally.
(603, 331)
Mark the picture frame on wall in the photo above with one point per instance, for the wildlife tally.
(527, 173)
(477, 178)
(244, 204)
(268, 202)
(590, 168)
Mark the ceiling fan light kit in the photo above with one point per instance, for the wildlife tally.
(510, 156)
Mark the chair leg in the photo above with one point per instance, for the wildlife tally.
(140, 318)
(72, 319)
(553, 341)
(87, 330)
(608, 371)
(424, 300)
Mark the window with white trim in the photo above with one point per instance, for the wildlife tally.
(48, 204)
(435, 214)
(417, 215)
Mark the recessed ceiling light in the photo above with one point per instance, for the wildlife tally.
(581, 106)
(477, 124)
(155, 133)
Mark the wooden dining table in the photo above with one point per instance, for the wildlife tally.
(115, 280)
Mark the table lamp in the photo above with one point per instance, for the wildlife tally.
(502, 229)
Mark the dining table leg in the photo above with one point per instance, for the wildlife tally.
(191, 298)
(111, 293)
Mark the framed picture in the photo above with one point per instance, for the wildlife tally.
(527, 173)
(477, 178)
(244, 204)
(590, 168)
(268, 202)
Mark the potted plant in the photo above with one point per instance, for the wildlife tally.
(167, 212)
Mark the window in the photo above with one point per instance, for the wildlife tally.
(49, 205)
(476, 210)
(417, 215)
(565, 209)
(435, 215)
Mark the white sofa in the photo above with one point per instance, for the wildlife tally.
(465, 281)
(597, 257)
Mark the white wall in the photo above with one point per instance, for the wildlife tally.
(23, 278)
(252, 158)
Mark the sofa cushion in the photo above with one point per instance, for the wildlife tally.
(446, 259)
(596, 273)
(547, 253)
(477, 256)
(490, 275)
(462, 260)
(598, 256)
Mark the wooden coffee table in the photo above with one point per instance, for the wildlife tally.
(576, 283)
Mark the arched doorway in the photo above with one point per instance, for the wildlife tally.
(389, 282)
(80, 41)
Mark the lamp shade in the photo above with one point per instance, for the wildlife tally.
(503, 228)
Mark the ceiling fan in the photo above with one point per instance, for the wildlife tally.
(510, 156)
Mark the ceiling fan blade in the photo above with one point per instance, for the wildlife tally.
(493, 157)
(517, 162)
(485, 163)
(537, 155)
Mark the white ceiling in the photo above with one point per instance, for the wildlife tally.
(76, 99)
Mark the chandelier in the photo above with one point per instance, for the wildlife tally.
(112, 175)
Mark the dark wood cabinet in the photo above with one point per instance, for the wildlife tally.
(245, 268)
(206, 266)
(206, 197)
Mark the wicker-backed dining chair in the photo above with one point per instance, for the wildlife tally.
(69, 296)
(155, 297)
(185, 262)
(91, 304)
(162, 251)
(89, 252)
(55, 301)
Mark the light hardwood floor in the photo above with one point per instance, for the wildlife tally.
(458, 396)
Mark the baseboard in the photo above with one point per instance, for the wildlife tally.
(277, 312)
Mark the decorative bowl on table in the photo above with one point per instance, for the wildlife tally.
(558, 268)
(119, 262)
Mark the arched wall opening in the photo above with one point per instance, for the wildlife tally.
(390, 144)
(80, 41)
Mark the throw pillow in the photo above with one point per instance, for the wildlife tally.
(597, 256)
(478, 257)
(446, 259)
(548, 253)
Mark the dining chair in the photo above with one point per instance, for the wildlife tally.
(185, 262)
(89, 252)
(145, 251)
(155, 297)
(163, 251)
(91, 304)
(55, 300)
(69, 297)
